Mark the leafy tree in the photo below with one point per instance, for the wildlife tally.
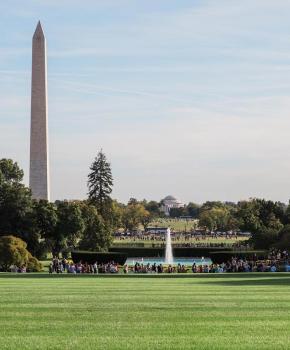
(114, 219)
(264, 219)
(264, 238)
(134, 215)
(13, 252)
(10, 171)
(16, 205)
(45, 218)
(154, 209)
(193, 210)
(215, 219)
(177, 212)
(100, 182)
(211, 204)
(96, 235)
(69, 228)
(283, 241)
(61, 224)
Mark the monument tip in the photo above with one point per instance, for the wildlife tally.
(38, 30)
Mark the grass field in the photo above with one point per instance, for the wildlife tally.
(176, 225)
(245, 311)
(207, 240)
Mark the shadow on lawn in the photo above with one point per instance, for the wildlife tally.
(264, 280)
(228, 279)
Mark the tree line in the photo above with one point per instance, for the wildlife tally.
(89, 224)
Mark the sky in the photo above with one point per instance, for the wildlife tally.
(189, 98)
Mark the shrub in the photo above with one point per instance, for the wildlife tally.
(133, 252)
(219, 257)
(33, 265)
(99, 257)
(13, 252)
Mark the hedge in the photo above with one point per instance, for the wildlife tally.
(219, 257)
(133, 252)
(99, 257)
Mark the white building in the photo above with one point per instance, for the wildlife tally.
(170, 202)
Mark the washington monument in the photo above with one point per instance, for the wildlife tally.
(39, 164)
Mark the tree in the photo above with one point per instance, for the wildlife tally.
(215, 219)
(100, 182)
(13, 252)
(264, 238)
(16, 205)
(284, 238)
(10, 171)
(154, 208)
(96, 235)
(69, 228)
(178, 212)
(116, 214)
(134, 215)
(193, 210)
(45, 218)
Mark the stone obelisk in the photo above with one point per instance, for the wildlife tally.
(39, 164)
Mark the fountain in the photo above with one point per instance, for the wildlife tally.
(168, 249)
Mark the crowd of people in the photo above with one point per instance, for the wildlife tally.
(63, 265)
(271, 263)
(276, 260)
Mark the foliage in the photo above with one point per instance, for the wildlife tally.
(99, 257)
(144, 252)
(100, 182)
(13, 252)
(96, 235)
(216, 219)
(283, 241)
(70, 226)
(264, 219)
(10, 171)
(192, 209)
(135, 214)
(222, 256)
(16, 205)
(153, 208)
(33, 265)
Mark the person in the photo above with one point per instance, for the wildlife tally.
(50, 268)
(95, 267)
(125, 269)
(193, 268)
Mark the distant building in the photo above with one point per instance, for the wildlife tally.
(170, 202)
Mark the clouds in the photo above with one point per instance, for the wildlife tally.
(186, 98)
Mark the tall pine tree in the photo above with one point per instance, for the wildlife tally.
(100, 183)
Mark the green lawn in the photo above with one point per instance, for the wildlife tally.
(245, 311)
(207, 240)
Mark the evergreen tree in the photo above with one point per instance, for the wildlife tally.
(100, 182)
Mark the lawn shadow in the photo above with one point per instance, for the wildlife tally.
(262, 280)
(225, 279)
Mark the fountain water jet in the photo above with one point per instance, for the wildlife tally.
(168, 249)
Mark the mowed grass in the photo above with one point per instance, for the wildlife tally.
(245, 311)
(207, 240)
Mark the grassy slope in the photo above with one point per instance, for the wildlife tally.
(201, 312)
(208, 240)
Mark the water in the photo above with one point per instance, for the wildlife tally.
(168, 249)
(169, 260)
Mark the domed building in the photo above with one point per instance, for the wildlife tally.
(170, 202)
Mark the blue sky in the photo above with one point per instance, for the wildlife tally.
(189, 98)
